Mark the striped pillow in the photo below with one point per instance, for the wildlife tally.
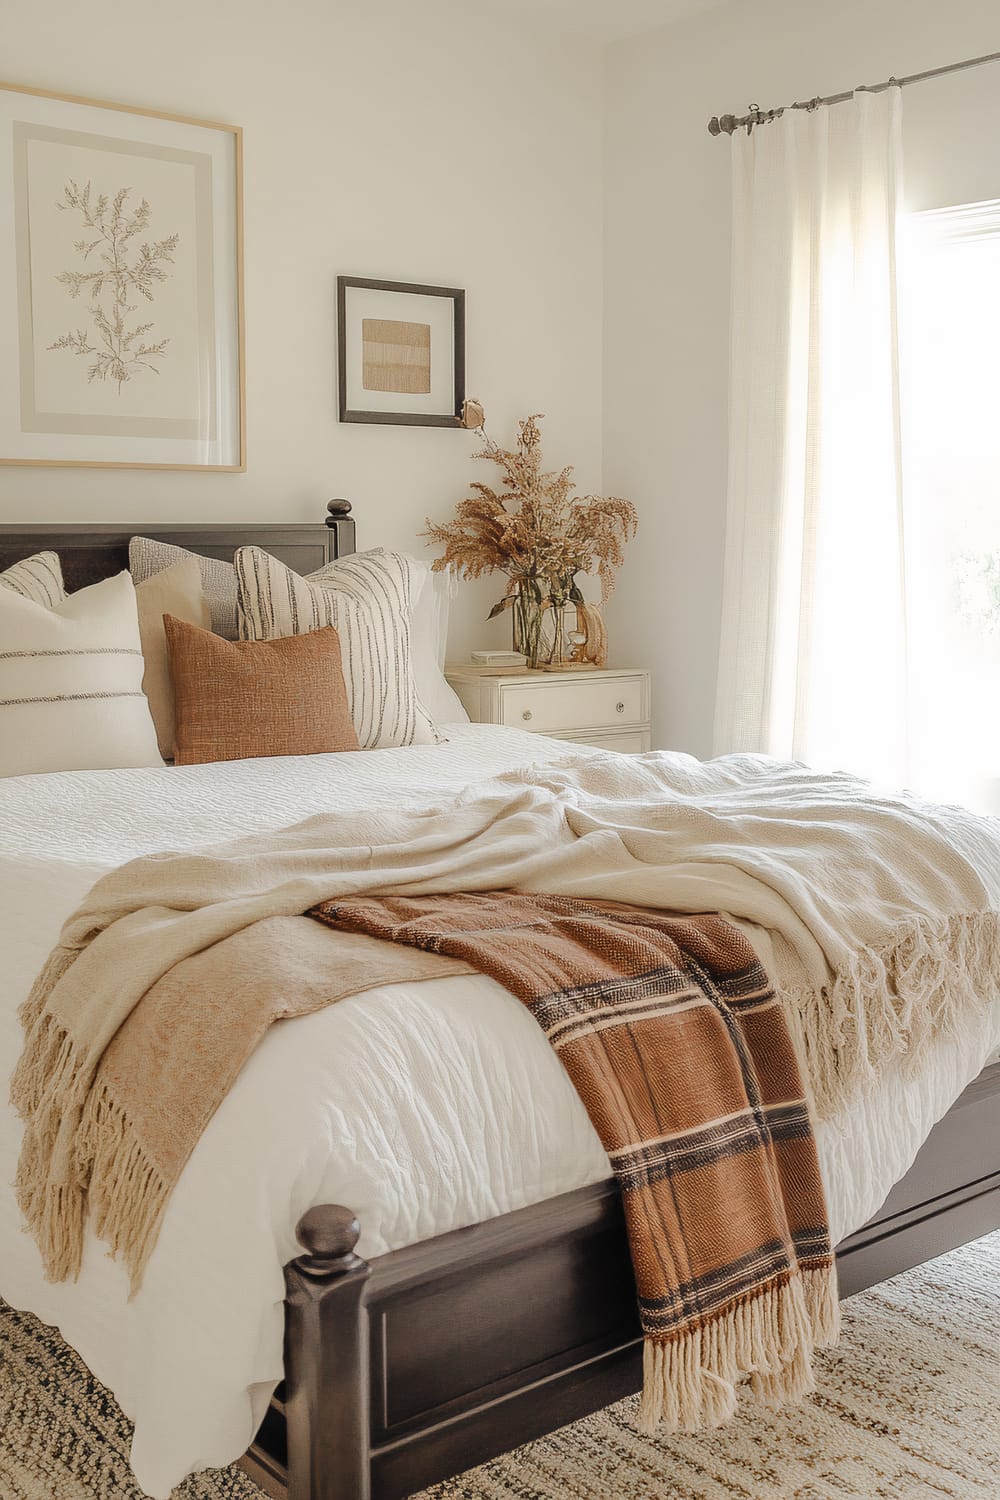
(367, 599)
(71, 694)
(39, 578)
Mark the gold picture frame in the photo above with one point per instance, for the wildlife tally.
(122, 330)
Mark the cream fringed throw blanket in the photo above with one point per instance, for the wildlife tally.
(879, 919)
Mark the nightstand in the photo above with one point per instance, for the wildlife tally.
(607, 708)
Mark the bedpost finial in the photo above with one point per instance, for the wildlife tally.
(328, 1232)
(338, 508)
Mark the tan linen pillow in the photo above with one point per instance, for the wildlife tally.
(176, 591)
(234, 700)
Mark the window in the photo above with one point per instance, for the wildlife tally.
(950, 393)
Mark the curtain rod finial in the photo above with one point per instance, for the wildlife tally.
(714, 126)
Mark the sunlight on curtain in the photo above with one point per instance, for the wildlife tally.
(950, 321)
(813, 660)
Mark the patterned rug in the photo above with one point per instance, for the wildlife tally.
(908, 1409)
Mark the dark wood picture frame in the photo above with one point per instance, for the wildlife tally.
(400, 418)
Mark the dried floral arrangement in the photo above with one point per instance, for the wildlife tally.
(541, 535)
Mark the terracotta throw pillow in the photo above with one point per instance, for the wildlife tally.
(235, 700)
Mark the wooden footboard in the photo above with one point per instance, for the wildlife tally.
(441, 1355)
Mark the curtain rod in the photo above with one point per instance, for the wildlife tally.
(726, 124)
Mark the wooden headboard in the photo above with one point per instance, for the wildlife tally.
(90, 553)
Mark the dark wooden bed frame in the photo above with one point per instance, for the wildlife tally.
(439, 1356)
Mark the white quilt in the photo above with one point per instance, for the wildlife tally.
(422, 1107)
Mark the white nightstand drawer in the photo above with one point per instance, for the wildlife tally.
(608, 707)
(579, 702)
(629, 742)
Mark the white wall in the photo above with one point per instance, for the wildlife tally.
(667, 272)
(420, 142)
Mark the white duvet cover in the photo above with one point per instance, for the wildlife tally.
(423, 1107)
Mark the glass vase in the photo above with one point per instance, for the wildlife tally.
(526, 618)
(559, 635)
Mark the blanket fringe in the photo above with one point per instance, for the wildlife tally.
(935, 979)
(128, 1195)
(31, 1011)
(690, 1381)
(48, 1091)
(80, 1159)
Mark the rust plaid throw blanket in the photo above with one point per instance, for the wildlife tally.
(672, 1036)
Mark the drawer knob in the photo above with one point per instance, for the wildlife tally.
(619, 708)
(526, 715)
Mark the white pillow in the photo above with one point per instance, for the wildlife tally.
(39, 578)
(71, 694)
(429, 621)
(367, 599)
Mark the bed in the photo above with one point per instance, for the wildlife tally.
(352, 1374)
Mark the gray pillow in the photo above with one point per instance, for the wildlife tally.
(147, 557)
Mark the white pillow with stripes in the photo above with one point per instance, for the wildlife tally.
(71, 694)
(39, 578)
(367, 598)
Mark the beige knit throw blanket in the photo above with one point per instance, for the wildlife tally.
(879, 918)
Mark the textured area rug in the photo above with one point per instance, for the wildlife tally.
(908, 1408)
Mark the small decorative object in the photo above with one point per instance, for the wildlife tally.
(541, 535)
(124, 267)
(498, 659)
(574, 636)
(400, 352)
(473, 415)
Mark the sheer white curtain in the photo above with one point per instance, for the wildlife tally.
(813, 659)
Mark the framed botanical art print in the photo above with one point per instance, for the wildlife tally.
(121, 286)
(401, 352)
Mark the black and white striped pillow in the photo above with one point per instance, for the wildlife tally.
(38, 578)
(367, 599)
